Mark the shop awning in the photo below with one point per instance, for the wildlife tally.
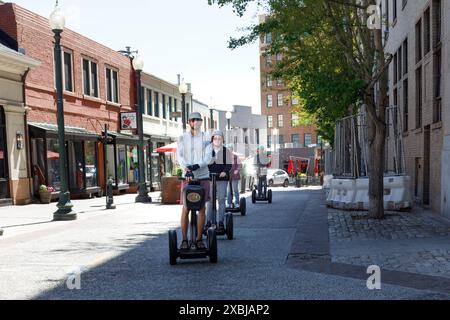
(41, 129)
(126, 139)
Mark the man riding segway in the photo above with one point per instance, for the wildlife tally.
(194, 156)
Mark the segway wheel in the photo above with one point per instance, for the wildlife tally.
(269, 196)
(229, 226)
(254, 196)
(212, 245)
(173, 249)
(243, 206)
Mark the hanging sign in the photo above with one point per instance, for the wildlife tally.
(128, 121)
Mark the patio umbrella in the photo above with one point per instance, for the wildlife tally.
(291, 167)
(170, 148)
(52, 155)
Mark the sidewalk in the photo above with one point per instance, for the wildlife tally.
(412, 249)
(32, 218)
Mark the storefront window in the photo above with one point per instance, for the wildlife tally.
(121, 164)
(54, 179)
(37, 150)
(133, 164)
(91, 164)
(110, 172)
(76, 165)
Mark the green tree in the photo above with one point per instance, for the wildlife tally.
(331, 59)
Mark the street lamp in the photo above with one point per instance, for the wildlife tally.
(143, 197)
(64, 212)
(183, 90)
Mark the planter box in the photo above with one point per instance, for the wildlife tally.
(170, 190)
(45, 197)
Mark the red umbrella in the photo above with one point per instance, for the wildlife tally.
(167, 149)
(291, 167)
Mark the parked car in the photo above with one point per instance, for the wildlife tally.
(277, 177)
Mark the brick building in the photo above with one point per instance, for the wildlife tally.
(98, 85)
(418, 38)
(278, 104)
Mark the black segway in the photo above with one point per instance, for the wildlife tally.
(229, 228)
(242, 203)
(194, 200)
(259, 195)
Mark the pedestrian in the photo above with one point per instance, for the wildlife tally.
(262, 163)
(221, 164)
(235, 177)
(194, 155)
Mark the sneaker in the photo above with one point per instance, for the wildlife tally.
(200, 245)
(207, 226)
(184, 245)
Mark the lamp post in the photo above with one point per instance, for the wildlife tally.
(143, 197)
(64, 212)
(183, 90)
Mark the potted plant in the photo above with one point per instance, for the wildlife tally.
(45, 193)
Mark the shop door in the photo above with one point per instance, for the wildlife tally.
(4, 178)
(76, 165)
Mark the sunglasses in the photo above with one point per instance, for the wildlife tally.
(194, 120)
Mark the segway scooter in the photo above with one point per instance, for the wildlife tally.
(259, 195)
(194, 200)
(242, 203)
(228, 231)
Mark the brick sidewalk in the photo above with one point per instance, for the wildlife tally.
(416, 242)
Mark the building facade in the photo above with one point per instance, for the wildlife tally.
(418, 38)
(279, 106)
(97, 88)
(15, 174)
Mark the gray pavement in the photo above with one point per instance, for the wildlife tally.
(123, 254)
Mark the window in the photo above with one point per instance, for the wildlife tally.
(437, 112)
(90, 164)
(395, 68)
(279, 82)
(419, 97)
(319, 140)
(269, 121)
(295, 120)
(399, 63)
(427, 31)
(171, 108)
(437, 23)
(279, 57)
(90, 78)
(281, 140)
(268, 60)
(280, 121)
(419, 41)
(394, 10)
(295, 138)
(294, 101)
(405, 57)
(112, 85)
(149, 102)
(68, 74)
(269, 81)
(269, 101)
(405, 106)
(387, 14)
(280, 99)
(164, 106)
(308, 139)
(156, 105)
(268, 38)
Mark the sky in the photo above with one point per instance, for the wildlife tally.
(186, 37)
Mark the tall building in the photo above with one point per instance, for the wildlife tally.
(278, 104)
(417, 36)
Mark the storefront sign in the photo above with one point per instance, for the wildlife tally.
(128, 121)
